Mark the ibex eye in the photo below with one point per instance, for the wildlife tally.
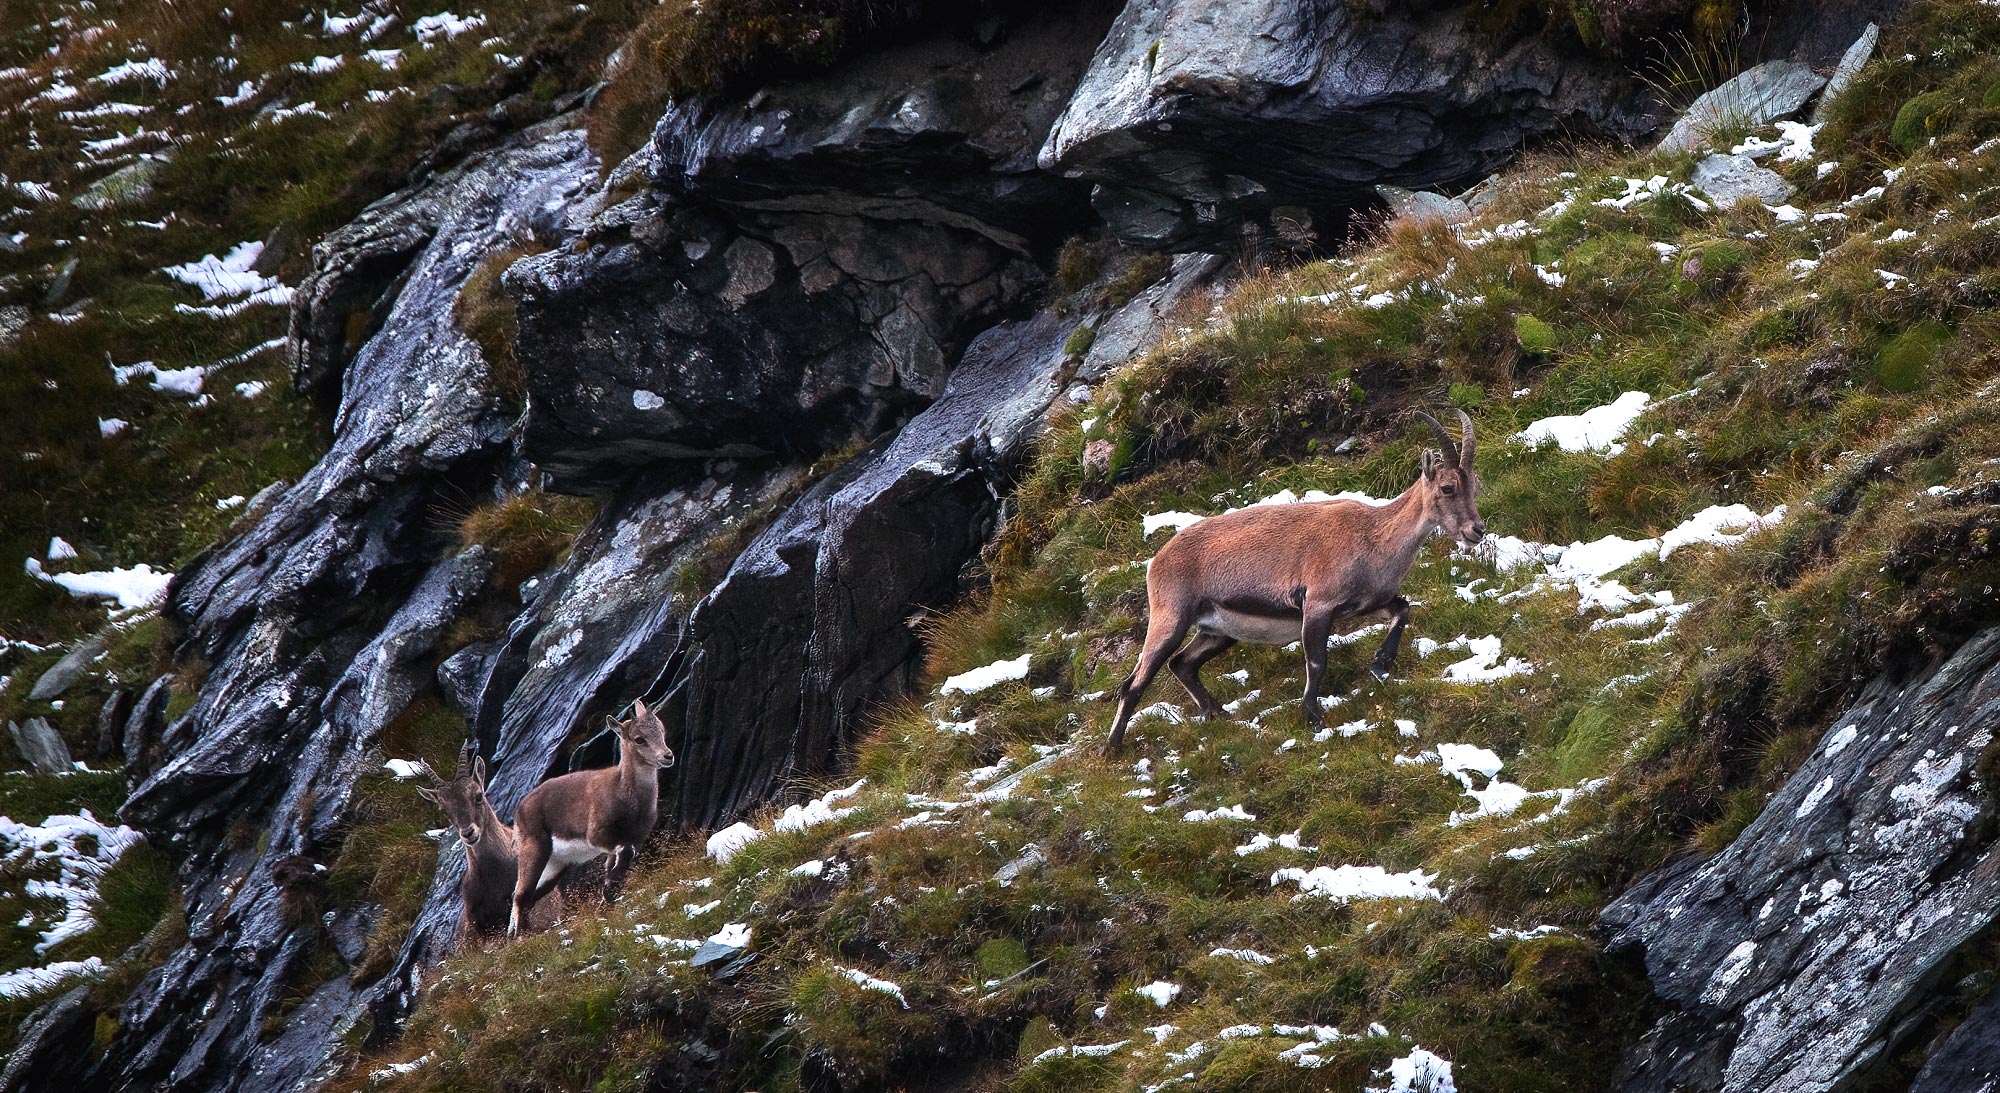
(1447, 490)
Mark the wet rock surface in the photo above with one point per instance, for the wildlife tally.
(317, 623)
(1809, 953)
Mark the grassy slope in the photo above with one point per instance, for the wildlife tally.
(1868, 410)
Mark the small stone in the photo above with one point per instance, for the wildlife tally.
(1727, 179)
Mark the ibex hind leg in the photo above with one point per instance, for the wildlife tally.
(1161, 641)
(1187, 664)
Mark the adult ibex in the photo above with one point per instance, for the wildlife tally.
(487, 889)
(1275, 574)
(591, 814)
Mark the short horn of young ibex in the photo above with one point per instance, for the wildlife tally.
(487, 889)
(591, 814)
(1276, 574)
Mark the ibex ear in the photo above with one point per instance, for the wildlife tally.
(479, 769)
(1429, 464)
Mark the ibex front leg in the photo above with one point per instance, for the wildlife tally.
(1316, 628)
(1385, 657)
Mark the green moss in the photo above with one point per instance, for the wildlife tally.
(1537, 338)
(1001, 957)
(1920, 118)
(1080, 341)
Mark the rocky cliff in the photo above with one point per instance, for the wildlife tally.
(798, 349)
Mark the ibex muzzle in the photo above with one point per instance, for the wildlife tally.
(1274, 574)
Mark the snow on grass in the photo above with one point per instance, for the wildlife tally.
(1720, 525)
(1248, 956)
(1159, 992)
(736, 935)
(82, 848)
(869, 983)
(60, 550)
(1175, 520)
(230, 276)
(150, 70)
(1260, 841)
(1345, 883)
(1420, 1071)
(402, 769)
(31, 981)
(1229, 812)
(991, 675)
(1484, 664)
(1594, 430)
(139, 586)
(724, 844)
(818, 811)
(444, 24)
(1074, 1051)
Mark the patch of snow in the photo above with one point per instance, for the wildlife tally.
(138, 586)
(24, 982)
(1345, 883)
(1261, 841)
(1231, 812)
(83, 849)
(1159, 992)
(1420, 1071)
(60, 550)
(1594, 430)
(736, 935)
(1484, 664)
(819, 810)
(992, 675)
(1248, 956)
(1175, 520)
(724, 844)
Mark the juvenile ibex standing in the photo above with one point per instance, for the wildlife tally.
(487, 889)
(1275, 574)
(592, 813)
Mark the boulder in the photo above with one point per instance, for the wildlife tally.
(1727, 179)
(131, 184)
(1196, 115)
(1419, 206)
(63, 673)
(1792, 959)
(1849, 67)
(1757, 96)
(41, 747)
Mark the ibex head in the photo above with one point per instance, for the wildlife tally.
(644, 737)
(1449, 480)
(463, 798)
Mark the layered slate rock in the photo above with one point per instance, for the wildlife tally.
(1197, 114)
(1812, 949)
(319, 624)
(807, 264)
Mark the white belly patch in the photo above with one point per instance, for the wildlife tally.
(564, 853)
(1258, 629)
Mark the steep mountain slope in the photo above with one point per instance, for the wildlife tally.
(1690, 586)
(884, 294)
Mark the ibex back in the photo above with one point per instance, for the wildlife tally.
(1276, 574)
(590, 814)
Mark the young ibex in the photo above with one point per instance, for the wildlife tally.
(487, 890)
(1275, 574)
(591, 814)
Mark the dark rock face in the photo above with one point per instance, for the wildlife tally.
(1807, 952)
(809, 263)
(1196, 115)
(318, 623)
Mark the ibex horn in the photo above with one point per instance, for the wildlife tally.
(424, 767)
(1466, 444)
(465, 755)
(1445, 444)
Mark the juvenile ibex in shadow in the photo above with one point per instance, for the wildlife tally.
(591, 814)
(1276, 574)
(487, 889)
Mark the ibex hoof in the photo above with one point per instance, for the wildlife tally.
(1380, 672)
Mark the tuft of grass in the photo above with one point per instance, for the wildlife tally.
(527, 532)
